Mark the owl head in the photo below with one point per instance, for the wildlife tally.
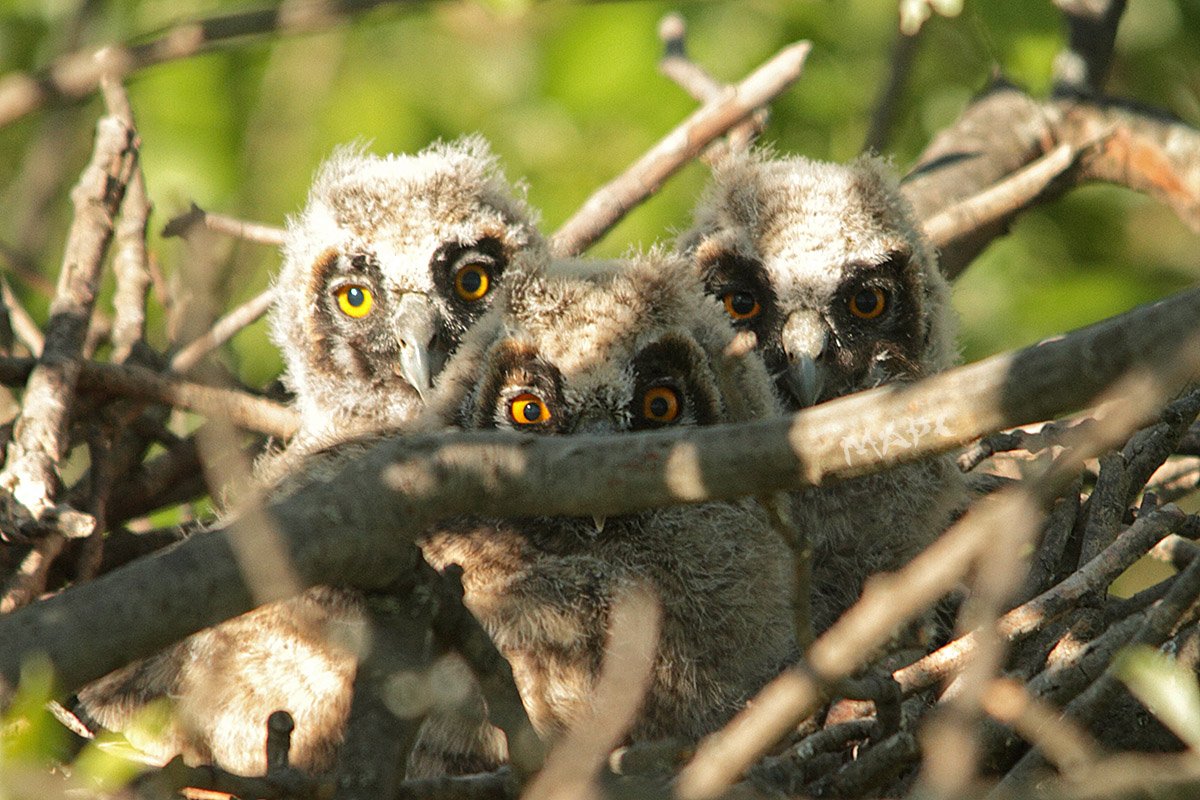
(389, 263)
(824, 264)
(577, 346)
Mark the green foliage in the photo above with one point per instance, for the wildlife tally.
(569, 94)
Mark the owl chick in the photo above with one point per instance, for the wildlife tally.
(824, 265)
(389, 263)
(383, 271)
(601, 348)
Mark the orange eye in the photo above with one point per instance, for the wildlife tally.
(741, 305)
(355, 301)
(868, 302)
(528, 409)
(660, 404)
(472, 282)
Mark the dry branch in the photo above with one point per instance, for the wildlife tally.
(1031, 616)
(222, 331)
(615, 199)
(40, 438)
(184, 223)
(77, 75)
(243, 410)
(332, 537)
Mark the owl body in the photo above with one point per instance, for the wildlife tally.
(604, 349)
(824, 265)
(389, 263)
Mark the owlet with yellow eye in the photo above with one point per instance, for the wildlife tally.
(389, 263)
(601, 348)
(823, 263)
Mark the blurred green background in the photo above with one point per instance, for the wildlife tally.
(569, 94)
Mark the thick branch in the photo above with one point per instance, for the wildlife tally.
(615, 199)
(332, 537)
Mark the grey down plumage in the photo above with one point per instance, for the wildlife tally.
(823, 263)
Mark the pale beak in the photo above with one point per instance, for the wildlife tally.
(420, 358)
(599, 520)
(805, 337)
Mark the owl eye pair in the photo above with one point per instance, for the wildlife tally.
(660, 405)
(472, 281)
(354, 300)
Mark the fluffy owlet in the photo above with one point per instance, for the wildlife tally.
(386, 267)
(604, 348)
(824, 264)
(384, 270)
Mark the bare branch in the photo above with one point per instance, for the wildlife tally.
(696, 81)
(1082, 67)
(245, 411)
(1000, 200)
(40, 438)
(76, 75)
(904, 52)
(222, 331)
(220, 223)
(1029, 617)
(93, 628)
(23, 325)
(615, 199)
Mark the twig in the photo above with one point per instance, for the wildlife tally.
(904, 52)
(1175, 479)
(1044, 566)
(574, 764)
(1153, 631)
(380, 731)
(23, 325)
(615, 199)
(457, 629)
(129, 264)
(1030, 616)
(222, 331)
(30, 580)
(246, 411)
(1068, 746)
(258, 232)
(40, 438)
(999, 200)
(75, 76)
(696, 81)
(871, 768)
(419, 478)
(1032, 441)
(1082, 67)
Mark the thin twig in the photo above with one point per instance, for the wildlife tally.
(615, 199)
(76, 75)
(258, 232)
(1068, 746)
(23, 325)
(1131, 545)
(999, 200)
(222, 331)
(887, 100)
(695, 80)
(40, 438)
(246, 411)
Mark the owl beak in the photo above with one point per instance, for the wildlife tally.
(416, 368)
(420, 357)
(805, 337)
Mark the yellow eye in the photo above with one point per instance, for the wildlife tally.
(741, 305)
(528, 409)
(660, 404)
(472, 282)
(868, 302)
(355, 301)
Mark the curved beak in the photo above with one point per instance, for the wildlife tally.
(420, 358)
(805, 336)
